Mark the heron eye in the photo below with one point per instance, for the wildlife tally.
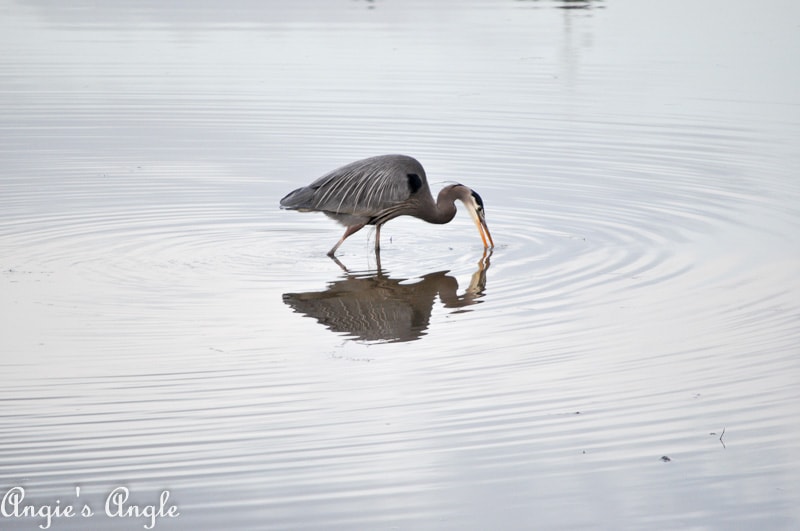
(478, 200)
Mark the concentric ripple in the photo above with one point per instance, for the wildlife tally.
(631, 342)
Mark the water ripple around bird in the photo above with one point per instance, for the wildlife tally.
(166, 326)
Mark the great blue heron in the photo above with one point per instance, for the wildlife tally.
(374, 190)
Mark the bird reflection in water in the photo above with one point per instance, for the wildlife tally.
(372, 306)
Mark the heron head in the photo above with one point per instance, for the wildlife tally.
(474, 205)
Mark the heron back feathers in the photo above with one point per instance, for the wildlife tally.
(363, 188)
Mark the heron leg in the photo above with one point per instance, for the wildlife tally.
(350, 230)
(377, 239)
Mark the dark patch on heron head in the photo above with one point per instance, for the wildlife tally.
(414, 182)
(477, 199)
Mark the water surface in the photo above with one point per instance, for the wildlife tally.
(626, 357)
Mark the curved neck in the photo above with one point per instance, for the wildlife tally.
(445, 208)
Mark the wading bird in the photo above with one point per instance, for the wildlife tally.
(372, 191)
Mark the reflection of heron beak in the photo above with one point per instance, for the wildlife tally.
(483, 230)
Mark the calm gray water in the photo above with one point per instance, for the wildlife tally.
(628, 356)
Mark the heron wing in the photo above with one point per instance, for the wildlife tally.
(363, 188)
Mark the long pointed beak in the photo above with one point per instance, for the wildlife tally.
(483, 230)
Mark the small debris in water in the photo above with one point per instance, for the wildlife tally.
(721, 435)
(665, 458)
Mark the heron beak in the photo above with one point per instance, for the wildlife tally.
(483, 230)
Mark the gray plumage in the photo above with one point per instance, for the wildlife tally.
(375, 190)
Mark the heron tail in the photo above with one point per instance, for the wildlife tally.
(299, 199)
